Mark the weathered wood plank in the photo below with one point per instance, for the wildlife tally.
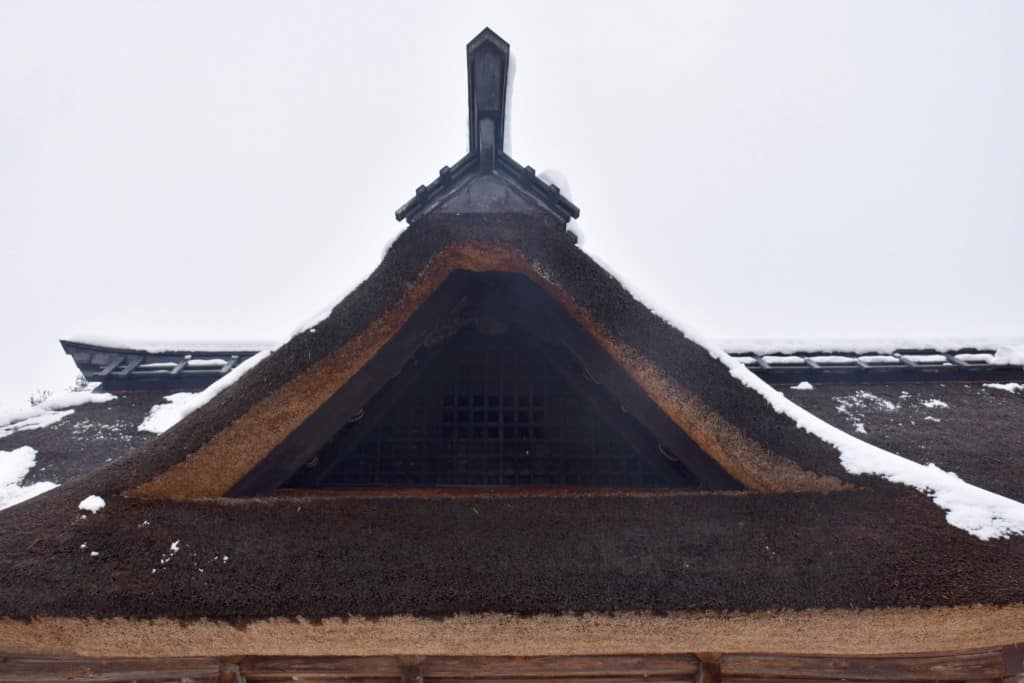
(659, 667)
(776, 679)
(1013, 659)
(710, 672)
(635, 678)
(316, 678)
(678, 666)
(271, 668)
(109, 367)
(942, 667)
(73, 670)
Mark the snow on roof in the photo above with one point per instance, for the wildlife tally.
(977, 511)
(14, 467)
(165, 415)
(171, 345)
(47, 412)
(1010, 350)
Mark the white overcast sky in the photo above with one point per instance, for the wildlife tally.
(223, 170)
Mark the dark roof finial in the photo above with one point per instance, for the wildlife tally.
(487, 67)
(486, 180)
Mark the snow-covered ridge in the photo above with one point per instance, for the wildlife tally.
(165, 415)
(1009, 350)
(48, 412)
(170, 345)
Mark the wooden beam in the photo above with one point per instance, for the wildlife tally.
(133, 362)
(612, 666)
(1013, 659)
(990, 665)
(267, 669)
(179, 366)
(299, 446)
(937, 667)
(109, 367)
(230, 365)
(710, 672)
(536, 311)
(109, 670)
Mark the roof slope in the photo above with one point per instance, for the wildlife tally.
(805, 534)
(761, 448)
(874, 545)
(969, 428)
(93, 435)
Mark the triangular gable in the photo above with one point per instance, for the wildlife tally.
(485, 215)
(218, 446)
(489, 310)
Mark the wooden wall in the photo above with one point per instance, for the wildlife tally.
(1005, 665)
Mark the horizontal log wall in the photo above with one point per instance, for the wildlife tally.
(1005, 665)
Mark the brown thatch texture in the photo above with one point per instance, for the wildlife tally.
(883, 547)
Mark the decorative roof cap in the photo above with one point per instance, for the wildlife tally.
(487, 180)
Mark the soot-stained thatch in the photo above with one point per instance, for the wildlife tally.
(967, 428)
(542, 244)
(871, 545)
(520, 555)
(94, 435)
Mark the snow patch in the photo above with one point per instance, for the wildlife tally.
(163, 416)
(860, 401)
(553, 176)
(206, 363)
(1012, 387)
(833, 360)
(14, 467)
(92, 504)
(1009, 354)
(783, 360)
(167, 556)
(48, 412)
(803, 386)
(180, 346)
(934, 403)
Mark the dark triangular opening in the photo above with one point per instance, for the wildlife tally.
(490, 383)
(492, 407)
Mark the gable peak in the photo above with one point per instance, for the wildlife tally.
(513, 188)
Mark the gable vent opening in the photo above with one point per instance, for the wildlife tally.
(489, 384)
(492, 410)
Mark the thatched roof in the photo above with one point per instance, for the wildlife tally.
(862, 544)
(805, 534)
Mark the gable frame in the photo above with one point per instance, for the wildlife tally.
(543, 317)
(433, 364)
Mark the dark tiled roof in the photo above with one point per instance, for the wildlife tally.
(118, 367)
(915, 365)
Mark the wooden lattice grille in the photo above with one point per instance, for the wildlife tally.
(496, 409)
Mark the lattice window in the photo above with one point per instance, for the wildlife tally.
(500, 409)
